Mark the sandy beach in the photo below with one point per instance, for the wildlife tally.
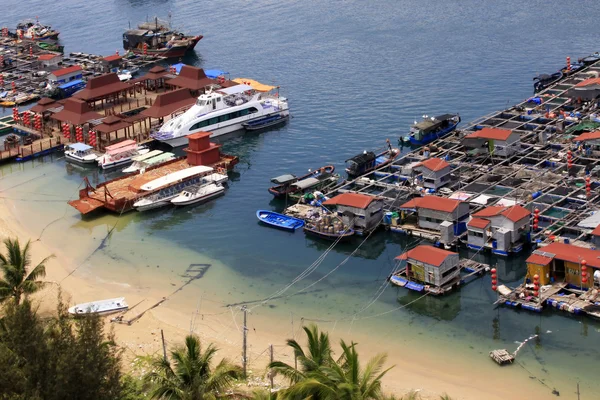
(427, 370)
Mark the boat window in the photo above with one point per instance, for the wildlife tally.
(252, 110)
(213, 121)
(200, 102)
(218, 99)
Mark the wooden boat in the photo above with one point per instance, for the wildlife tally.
(431, 128)
(266, 122)
(279, 220)
(198, 194)
(341, 235)
(291, 185)
(543, 81)
(368, 161)
(100, 307)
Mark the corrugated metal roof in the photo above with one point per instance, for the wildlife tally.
(478, 223)
(491, 133)
(433, 203)
(426, 254)
(357, 200)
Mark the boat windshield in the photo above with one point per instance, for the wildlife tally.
(201, 102)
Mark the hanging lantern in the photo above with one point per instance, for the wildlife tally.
(26, 119)
(494, 281)
(145, 49)
(568, 63)
(14, 86)
(30, 51)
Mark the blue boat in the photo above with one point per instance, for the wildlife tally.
(431, 128)
(279, 220)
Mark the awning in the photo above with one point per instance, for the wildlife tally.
(235, 89)
(306, 183)
(79, 146)
(283, 179)
(260, 87)
(215, 73)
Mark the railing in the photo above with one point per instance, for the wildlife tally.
(29, 149)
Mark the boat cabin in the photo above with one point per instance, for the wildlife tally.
(286, 179)
(438, 214)
(361, 163)
(80, 149)
(359, 211)
(433, 173)
(421, 131)
(560, 262)
(494, 141)
(504, 229)
(431, 265)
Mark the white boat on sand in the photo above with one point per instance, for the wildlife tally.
(199, 194)
(80, 153)
(100, 307)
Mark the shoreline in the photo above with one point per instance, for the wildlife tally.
(429, 371)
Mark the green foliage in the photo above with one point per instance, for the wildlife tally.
(190, 376)
(320, 377)
(57, 358)
(14, 265)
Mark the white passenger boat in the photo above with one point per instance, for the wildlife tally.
(120, 153)
(80, 153)
(198, 194)
(100, 307)
(222, 111)
(145, 160)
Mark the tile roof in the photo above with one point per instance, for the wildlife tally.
(516, 213)
(490, 211)
(538, 259)
(596, 231)
(587, 82)
(588, 136)
(491, 133)
(357, 200)
(478, 223)
(65, 71)
(432, 203)
(426, 254)
(434, 164)
(46, 57)
(114, 57)
(572, 253)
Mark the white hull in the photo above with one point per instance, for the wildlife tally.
(114, 164)
(100, 307)
(165, 201)
(80, 160)
(183, 200)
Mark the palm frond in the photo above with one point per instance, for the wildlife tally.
(287, 371)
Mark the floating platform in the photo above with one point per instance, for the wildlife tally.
(502, 356)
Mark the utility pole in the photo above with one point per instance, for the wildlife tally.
(162, 335)
(244, 359)
(271, 372)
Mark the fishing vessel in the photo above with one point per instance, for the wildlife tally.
(33, 30)
(149, 159)
(290, 185)
(543, 81)
(81, 153)
(222, 111)
(198, 194)
(333, 234)
(100, 307)
(368, 161)
(431, 128)
(279, 220)
(120, 153)
(158, 38)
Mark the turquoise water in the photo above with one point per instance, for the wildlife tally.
(355, 73)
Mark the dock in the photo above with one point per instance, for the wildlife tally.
(37, 148)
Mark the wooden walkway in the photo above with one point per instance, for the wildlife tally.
(26, 152)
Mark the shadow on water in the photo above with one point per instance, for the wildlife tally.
(445, 308)
(370, 249)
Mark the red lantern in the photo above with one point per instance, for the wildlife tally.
(145, 49)
(536, 277)
(30, 51)
(584, 280)
(494, 281)
(494, 288)
(568, 63)
(536, 293)
(14, 86)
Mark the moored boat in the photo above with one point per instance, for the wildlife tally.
(280, 221)
(289, 184)
(120, 153)
(157, 38)
(431, 128)
(100, 307)
(368, 161)
(33, 30)
(265, 122)
(340, 235)
(543, 81)
(139, 162)
(80, 153)
(198, 194)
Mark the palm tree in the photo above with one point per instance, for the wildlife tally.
(344, 379)
(14, 265)
(190, 376)
(318, 354)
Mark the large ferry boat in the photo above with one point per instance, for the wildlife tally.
(222, 111)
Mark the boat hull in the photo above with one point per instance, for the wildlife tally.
(282, 191)
(198, 200)
(279, 221)
(115, 164)
(268, 122)
(154, 205)
(433, 136)
(178, 51)
(329, 236)
(79, 160)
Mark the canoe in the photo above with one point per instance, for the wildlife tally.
(279, 220)
(100, 307)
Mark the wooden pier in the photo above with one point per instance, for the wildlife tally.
(38, 148)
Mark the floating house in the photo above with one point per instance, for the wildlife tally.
(429, 266)
(50, 60)
(434, 173)
(65, 75)
(437, 217)
(503, 229)
(495, 141)
(560, 262)
(360, 211)
(111, 63)
(588, 89)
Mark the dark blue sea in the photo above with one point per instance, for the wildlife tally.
(356, 73)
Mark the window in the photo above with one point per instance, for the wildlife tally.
(218, 99)
(475, 234)
(222, 118)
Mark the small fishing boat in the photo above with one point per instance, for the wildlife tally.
(142, 161)
(368, 161)
(544, 81)
(341, 235)
(198, 194)
(80, 153)
(100, 307)
(279, 220)
(266, 122)
(431, 128)
(33, 30)
(49, 46)
(289, 184)
(124, 75)
(120, 153)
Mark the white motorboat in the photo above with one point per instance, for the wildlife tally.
(124, 75)
(120, 153)
(100, 307)
(222, 111)
(198, 194)
(80, 153)
(142, 164)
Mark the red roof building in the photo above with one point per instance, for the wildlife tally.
(356, 200)
(191, 78)
(596, 231)
(434, 164)
(427, 254)
(103, 87)
(514, 213)
(595, 135)
(478, 223)
(433, 203)
(169, 102)
(114, 57)
(588, 82)
(47, 57)
(65, 71)
(491, 133)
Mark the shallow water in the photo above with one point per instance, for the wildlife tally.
(356, 73)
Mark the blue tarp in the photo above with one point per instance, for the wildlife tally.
(415, 286)
(80, 146)
(178, 67)
(214, 73)
(71, 84)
